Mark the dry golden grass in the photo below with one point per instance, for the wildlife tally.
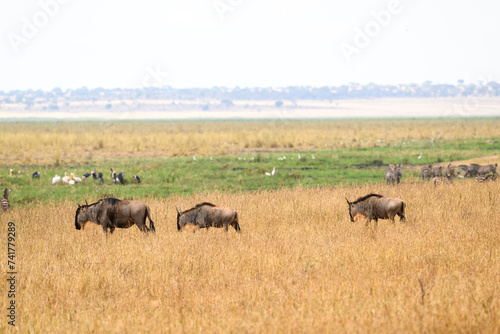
(72, 142)
(299, 265)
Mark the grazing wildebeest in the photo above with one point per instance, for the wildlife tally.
(488, 169)
(137, 178)
(472, 170)
(206, 215)
(426, 172)
(393, 174)
(374, 206)
(36, 175)
(111, 213)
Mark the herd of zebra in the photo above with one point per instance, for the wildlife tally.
(394, 173)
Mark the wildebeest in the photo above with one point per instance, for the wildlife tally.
(426, 172)
(111, 213)
(393, 174)
(137, 178)
(488, 169)
(206, 215)
(374, 206)
(36, 175)
(472, 170)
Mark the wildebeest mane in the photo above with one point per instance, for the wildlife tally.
(361, 199)
(197, 206)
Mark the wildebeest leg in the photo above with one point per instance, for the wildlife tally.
(111, 229)
(105, 228)
(368, 219)
(226, 227)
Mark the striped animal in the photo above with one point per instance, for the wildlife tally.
(426, 172)
(393, 174)
(4, 202)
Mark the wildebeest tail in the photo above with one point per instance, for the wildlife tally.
(236, 223)
(151, 224)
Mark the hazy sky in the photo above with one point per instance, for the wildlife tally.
(247, 43)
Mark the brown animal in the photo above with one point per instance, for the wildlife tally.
(488, 169)
(206, 215)
(111, 213)
(374, 206)
(472, 170)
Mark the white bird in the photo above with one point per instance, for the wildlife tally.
(65, 178)
(272, 173)
(299, 156)
(56, 179)
(211, 158)
(312, 155)
(194, 157)
(75, 178)
(11, 170)
(71, 182)
(420, 155)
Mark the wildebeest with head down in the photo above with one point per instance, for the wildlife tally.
(111, 213)
(374, 206)
(206, 215)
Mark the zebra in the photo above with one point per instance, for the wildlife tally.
(437, 171)
(427, 172)
(4, 202)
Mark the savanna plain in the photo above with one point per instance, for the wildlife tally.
(299, 264)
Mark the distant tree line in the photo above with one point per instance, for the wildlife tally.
(350, 91)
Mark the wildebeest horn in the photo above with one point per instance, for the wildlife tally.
(79, 204)
(348, 201)
(86, 202)
(177, 210)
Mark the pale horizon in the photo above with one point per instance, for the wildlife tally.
(222, 43)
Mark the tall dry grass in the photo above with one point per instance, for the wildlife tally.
(73, 142)
(299, 265)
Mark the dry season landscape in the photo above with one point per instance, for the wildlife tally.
(299, 264)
